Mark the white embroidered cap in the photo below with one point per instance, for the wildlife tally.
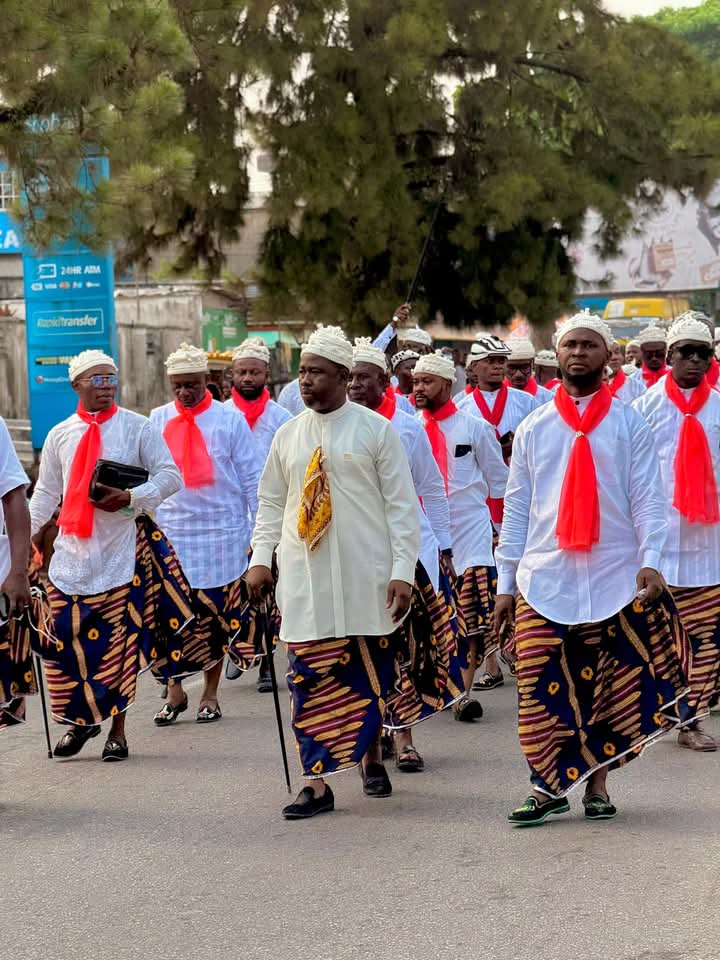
(87, 360)
(585, 321)
(487, 345)
(414, 335)
(365, 352)
(187, 359)
(651, 334)
(521, 348)
(437, 365)
(632, 343)
(546, 358)
(717, 334)
(330, 343)
(688, 327)
(254, 348)
(403, 355)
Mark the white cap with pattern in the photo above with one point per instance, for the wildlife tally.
(254, 348)
(585, 321)
(546, 358)
(437, 365)
(330, 343)
(403, 355)
(365, 352)
(521, 348)
(187, 359)
(651, 334)
(87, 360)
(414, 335)
(688, 327)
(487, 345)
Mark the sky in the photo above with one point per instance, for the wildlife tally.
(632, 7)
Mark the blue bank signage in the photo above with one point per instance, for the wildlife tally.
(70, 307)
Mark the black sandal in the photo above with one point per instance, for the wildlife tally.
(115, 750)
(488, 681)
(467, 710)
(168, 713)
(71, 743)
(409, 760)
(209, 714)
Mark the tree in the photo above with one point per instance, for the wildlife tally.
(699, 26)
(514, 117)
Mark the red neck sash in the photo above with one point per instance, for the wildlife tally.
(437, 437)
(578, 526)
(252, 410)
(77, 513)
(187, 445)
(495, 415)
(618, 382)
(388, 404)
(695, 496)
(713, 374)
(651, 377)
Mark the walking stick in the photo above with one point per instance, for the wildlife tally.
(43, 702)
(276, 696)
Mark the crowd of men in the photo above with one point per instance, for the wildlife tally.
(406, 529)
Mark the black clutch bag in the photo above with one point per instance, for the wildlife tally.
(117, 475)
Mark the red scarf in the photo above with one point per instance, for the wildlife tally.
(618, 382)
(578, 526)
(713, 374)
(252, 410)
(494, 417)
(530, 387)
(437, 437)
(187, 445)
(468, 389)
(651, 377)
(695, 496)
(551, 384)
(388, 405)
(78, 513)
(408, 396)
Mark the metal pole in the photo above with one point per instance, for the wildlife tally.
(269, 652)
(43, 702)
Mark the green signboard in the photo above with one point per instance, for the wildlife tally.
(223, 329)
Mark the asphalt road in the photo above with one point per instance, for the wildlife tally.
(181, 852)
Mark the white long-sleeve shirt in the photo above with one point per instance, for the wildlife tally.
(692, 552)
(266, 425)
(210, 527)
(476, 471)
(568, 586)
(106, 559)
(517, 406)
(631, 389)
(12, 476)
(340, 588)
(291, 399)
(434, 514)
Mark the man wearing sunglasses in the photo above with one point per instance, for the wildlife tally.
(653, 347)
(119, 598)
(684, 414)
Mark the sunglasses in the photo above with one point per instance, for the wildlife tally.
(694, 350)
(98, 380)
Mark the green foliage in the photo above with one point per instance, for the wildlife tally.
(510, 119)
(699, 26)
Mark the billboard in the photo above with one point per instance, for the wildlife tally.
(675, 249)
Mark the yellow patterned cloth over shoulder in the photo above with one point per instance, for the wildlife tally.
(315, 511)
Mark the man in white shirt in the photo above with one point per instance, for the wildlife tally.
(119, 597)
(251, 398)
(471, 464)
(504, 408)
(209, 521)
(596, 646)
(546, 369)
(683, 413)
(337, 500)
(519, 369)
(653, 350)
(17, 675)
(431, 677)
(623, 387)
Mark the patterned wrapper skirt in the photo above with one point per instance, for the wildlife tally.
(476, 590)
(430, 668)
(17, 673)
(699, 609)
(596, 694)
(102, 642)
(338, 691)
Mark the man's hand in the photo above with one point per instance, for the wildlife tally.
(506, 443)
(401, 316)
(504, 612)
(449, 565)
(111, 499)
(649, 584)
(17, 590)
(259, 582)
(399, 595)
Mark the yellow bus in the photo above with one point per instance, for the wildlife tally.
(628, 316)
